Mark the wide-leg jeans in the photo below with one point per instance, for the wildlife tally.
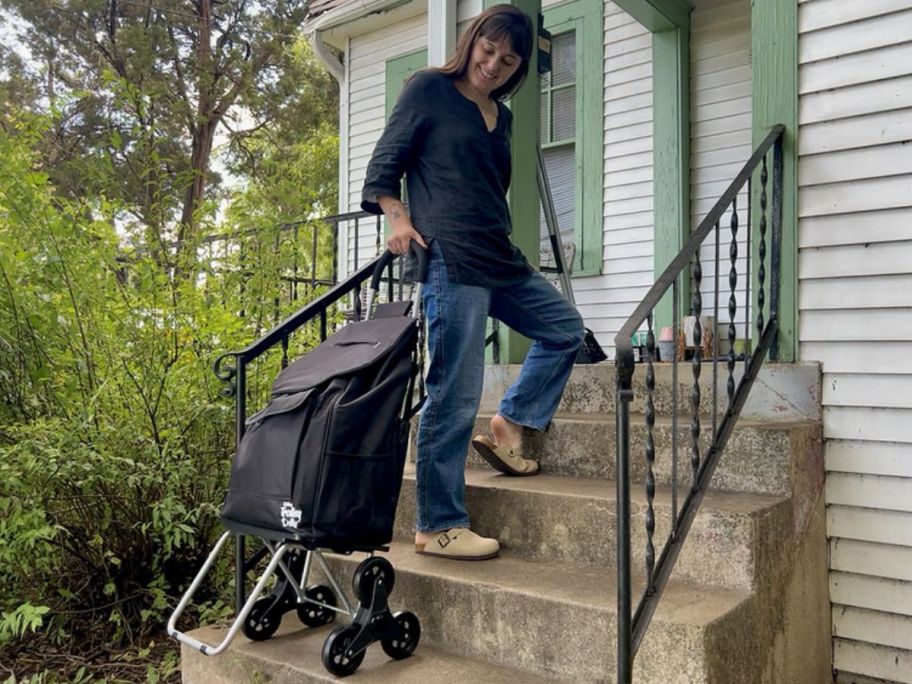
(456, 315)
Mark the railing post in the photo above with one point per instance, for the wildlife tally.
(625, 370)
(335, 253)
(776, 242)
(240, 399)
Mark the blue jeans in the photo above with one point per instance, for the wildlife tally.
(456, 315)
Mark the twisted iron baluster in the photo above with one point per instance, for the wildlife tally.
(356, 246)
(748, 241)
(761, 270)
(696, 310)
(379, 232)
(313, 258)
(650, 455)
(715, 333)
(732, 301)
(335, 253)
(285, 351)
(294, 265)
(674, 407)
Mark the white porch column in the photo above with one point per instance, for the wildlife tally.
(441, 31)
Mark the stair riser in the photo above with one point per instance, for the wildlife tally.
(540, 634)
(720, 547)
(756, 460)
(781, 392)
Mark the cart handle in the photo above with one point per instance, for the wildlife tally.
(385, 259)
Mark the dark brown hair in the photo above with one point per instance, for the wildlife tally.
(495, 23)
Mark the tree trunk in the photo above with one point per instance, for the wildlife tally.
(203, 128)
(203, 138)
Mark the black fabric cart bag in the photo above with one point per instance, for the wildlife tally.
(324, 460)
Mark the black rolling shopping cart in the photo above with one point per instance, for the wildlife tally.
(319, 469)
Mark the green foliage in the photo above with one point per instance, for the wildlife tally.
(143, 92)
(114, 442)
(24, 619)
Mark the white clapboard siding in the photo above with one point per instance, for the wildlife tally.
(871, 558)
(606, 300)
(855, 313)
(880, 128)
(866, 33)
(881, 458)
(873, 593)
(869, 491)
(825, 13)
(851, 389)
(873, 627)
(885, 663)
(720, 139)
(887, 225)
(856, 293)
(365, 103)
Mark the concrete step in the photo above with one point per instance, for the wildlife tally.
(292, 656)
(781, 391)
(557, 620)
(561, 518)
(759, 457)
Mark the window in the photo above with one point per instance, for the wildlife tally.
(558, 135)
(571, 129)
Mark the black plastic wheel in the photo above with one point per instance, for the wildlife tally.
(335, 656)
(313, 615)
(406, 644)
(263, 620)
(368, 571)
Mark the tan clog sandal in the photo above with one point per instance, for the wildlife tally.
(503, 458)
(460, 543)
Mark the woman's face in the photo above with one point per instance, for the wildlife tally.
(491, 64)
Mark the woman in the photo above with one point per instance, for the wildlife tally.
(450, 134)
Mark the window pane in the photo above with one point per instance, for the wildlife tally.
(560, 164)
(564, 114)
(563, 58)
(545, 120)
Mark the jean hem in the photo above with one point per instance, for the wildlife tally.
(444, 528)
(525, 423)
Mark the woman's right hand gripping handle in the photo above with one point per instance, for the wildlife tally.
(403, 232)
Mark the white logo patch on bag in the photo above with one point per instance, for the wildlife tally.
(291, 516)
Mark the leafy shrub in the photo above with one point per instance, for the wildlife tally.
(114, 442)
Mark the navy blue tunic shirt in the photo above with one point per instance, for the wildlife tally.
(457, 173)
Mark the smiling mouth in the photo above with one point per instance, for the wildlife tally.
(486, 75)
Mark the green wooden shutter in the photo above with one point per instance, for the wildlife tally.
(398, 71)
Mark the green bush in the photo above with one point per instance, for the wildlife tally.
(114, 442)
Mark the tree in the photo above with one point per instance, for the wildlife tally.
(143, 86)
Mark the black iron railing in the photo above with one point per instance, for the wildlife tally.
(703, 453)
(307, 269)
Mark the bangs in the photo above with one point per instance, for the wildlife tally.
(506, 27)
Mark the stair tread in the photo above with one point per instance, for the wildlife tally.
(580, 586)
(293, 655)
(663, 420)
(605, 490)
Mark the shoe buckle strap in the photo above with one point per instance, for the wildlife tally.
(444, 540)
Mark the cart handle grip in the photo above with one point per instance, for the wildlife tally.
(385, 259)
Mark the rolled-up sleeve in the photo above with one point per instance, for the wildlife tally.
(398, 145)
